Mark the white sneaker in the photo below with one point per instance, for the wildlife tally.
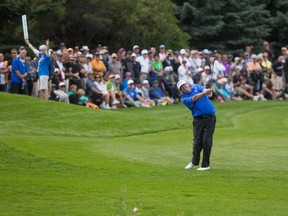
(189, 166)
(107, 106)
(203, 168)
(103, 105)
(262, 97)
(256, 98)
(115, 102)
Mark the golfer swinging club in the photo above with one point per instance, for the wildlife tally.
(196, 99)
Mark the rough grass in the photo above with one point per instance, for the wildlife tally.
(58, 159)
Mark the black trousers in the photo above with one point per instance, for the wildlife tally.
(203, 130)
(16, 88)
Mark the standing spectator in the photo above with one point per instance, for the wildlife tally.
(236, 64)
(184, 72)
(98, 65)
(85, 50)
(162, 52)
(31, 77)
(205, 76)
(227, 65)
(115, 67)
(43, 66)
(254, 66)
(14, 54)
(196, 63)
(128, 64)
(268, 49)
(136, 50)
(136, 67)
(266, 65)
(183, 57)
(19, 72)
(156, 69)
(170, 60)
(218, 68)
(105, 58)
(145, 64)
(278, 74)
(87, 65)
(3, 72)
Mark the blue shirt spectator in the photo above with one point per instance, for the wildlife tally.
(18, 65)
(200, 107)
(131, 92)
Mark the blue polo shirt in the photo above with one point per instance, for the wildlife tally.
(200, 107)
(20, 66)
(132, 93)
(43, 64)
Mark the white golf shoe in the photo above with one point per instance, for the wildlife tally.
(203, 168)
(189, 166)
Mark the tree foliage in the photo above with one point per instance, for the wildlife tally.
(117, 23)
(230, 25)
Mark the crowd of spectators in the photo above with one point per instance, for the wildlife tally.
(142, 77)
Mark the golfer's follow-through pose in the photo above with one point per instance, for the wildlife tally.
(196, 99)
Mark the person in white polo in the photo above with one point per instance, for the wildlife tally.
(43, 66)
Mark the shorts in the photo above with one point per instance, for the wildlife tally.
(43, 82)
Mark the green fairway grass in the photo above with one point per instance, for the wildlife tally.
(61, 159)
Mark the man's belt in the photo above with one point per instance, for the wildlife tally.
(203, 116)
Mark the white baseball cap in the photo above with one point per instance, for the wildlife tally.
(145, 82)
(133, 55)
(180, 83)
(143, 52)
(182, 51)
(135, 47)
(43, 47)
(130, 82)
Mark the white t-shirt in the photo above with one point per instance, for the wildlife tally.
(101, 87)
(2, 75)
(144, 62)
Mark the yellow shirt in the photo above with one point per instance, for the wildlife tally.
(98, 67)
(266, 64)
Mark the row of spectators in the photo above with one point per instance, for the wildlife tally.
(141, 78)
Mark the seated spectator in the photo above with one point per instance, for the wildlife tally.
(61, 94)
(222, 94)
(132, 98)
(128, 76)
(138, 88)
(103, 89)
(113, 91)
(55, 78)
(94, 94)
(73, 98)
(82, 98)
(157, 95)
(169, 84)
